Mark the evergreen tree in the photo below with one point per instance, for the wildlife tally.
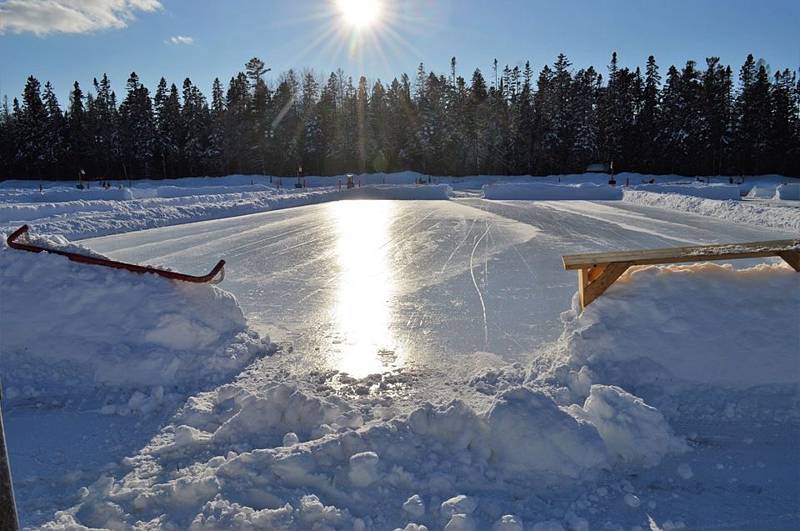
(715, 128)
(54, 134)
(649, 117)
(137, 130)
(782, 141)
(752, 126)
(194, 118)
(170, 130)
(238, 124)
(32, 129)
(216, 136)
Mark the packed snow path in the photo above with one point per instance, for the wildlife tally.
(367, 286)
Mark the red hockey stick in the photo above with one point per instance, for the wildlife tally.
(83, 259)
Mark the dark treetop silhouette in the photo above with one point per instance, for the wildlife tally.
(699, 121)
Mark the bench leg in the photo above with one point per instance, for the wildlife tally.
(594, 281)
(792, 258)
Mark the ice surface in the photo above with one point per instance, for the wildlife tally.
(374, 286)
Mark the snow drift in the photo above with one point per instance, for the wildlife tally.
(441, 466)
(67, 325)
(720, 192)
(672, 326)
(748, 212)
(548, 191)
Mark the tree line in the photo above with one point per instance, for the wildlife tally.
(698, 121)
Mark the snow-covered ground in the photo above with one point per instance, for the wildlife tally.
(61, 208)
(428, 367)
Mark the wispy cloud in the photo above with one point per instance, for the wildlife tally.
(69, 16)
(180, 39)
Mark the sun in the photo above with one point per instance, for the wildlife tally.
(360, 14)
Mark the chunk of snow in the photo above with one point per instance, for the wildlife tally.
(414, 506)
(633, 432)
(530, 434)
(281, 408)
(364, 469)
(290, 439)
(458, 504)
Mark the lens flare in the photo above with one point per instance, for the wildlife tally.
(360, 14)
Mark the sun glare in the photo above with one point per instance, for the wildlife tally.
(360, 14)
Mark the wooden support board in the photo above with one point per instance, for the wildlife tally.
(597, 271)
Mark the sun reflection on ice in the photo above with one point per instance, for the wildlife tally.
(364, 343)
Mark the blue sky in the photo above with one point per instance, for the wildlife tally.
(118, 36)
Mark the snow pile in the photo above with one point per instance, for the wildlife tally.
(549, 191)
(69, 326)
(720, 192)
(669, 327)
(748, 212)
(443, 467)
(790, 191)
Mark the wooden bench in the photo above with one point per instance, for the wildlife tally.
(597, 271)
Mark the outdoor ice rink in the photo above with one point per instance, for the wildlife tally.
(366, 286)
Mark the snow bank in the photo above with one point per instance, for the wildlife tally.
(69, 326)
(790, 191)
(752, 213)
(88, 218)
(720, 192)
(701, 324)
(60, 194)
(548, 191)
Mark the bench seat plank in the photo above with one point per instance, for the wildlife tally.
(597, 271)
(698, 253)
